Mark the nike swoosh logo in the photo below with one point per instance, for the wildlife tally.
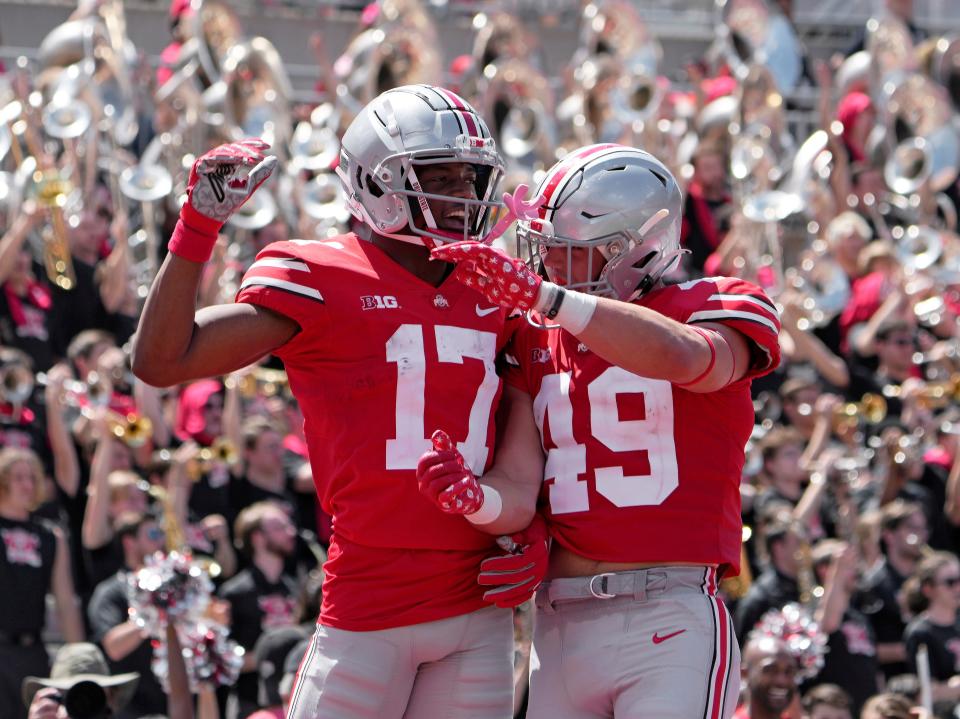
(657, 639)
(484, 311)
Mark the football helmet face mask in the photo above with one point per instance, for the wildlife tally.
(615, 211)
(407, 128)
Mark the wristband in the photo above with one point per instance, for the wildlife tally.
(571, 310)
(490, 509)
(194, 236)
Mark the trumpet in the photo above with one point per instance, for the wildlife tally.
(221, 452)
(132, 429)
(871, 407)
(269, 382)
(934, 395)
(95, 391)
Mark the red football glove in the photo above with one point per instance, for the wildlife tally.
(516, 576)
(505, 280)
(220, 182)
(227, 186)
(444, 478)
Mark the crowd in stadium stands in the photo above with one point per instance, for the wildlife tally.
(850, 493)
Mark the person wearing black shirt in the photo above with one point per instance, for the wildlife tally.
(934, 592)
(777, 584)
(904, 536)
(895, 343)
(34, 561)
(708, 206)
(101, 295)
(851, 657)
(126, 645)
(25, 299)
(261, 596)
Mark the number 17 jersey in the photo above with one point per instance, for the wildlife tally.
(381, 361)
(640, 470)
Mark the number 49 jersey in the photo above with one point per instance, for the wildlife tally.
(638, 469)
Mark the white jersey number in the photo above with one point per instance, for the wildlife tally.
(454, 344)
(568, 460)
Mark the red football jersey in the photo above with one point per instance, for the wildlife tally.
(638, 469)
(381, 361)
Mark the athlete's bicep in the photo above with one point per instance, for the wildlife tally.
(228, 337)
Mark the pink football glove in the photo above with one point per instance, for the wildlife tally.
(445, 480)
(516, 576)
(217, 184)
(505, 280)
(517, 209)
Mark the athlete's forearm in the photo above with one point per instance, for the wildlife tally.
(645, 342)
(167, 321)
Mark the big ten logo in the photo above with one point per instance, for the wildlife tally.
(379, 302)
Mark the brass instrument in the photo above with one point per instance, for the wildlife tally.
(264, 380)
(16, 384)
(934, 395)
(871, 408)
(221, 452)
(95, 391)
(175, 539)
(47, 185)
(519, 102)
(132, 429)
(213, 29)
(821, 283)
(381, 58)
(148, 185)
(257, 93)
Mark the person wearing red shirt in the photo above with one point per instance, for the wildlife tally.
(639, 393)
(379, 343)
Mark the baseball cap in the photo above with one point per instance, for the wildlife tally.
(79, 662)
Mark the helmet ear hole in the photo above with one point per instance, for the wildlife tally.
(373, 187)
(642, 262)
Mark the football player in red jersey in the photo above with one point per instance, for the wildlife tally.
(641, 394)
(379, 343)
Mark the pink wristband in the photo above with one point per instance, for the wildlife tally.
(194, 236)
(713, 357)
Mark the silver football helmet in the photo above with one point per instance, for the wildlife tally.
(403, 129)
(620, 200)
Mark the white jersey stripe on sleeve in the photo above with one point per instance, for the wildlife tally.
(707, 315)
(280, 263)
(283, 285)
(747, 298)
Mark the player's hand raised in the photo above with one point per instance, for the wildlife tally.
(514, 577)
(505, 280)
(226, 176)
(444, 478)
